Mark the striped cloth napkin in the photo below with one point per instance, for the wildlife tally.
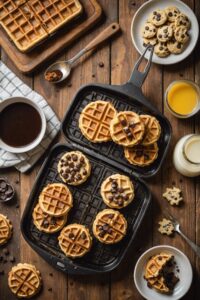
(11, 86)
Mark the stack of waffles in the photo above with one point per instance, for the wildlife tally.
(28, 22)
(138, 134)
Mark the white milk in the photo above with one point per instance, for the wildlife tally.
(186, 156)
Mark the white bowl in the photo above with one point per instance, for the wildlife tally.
(40, 136)
(185, 275)
(140, 18)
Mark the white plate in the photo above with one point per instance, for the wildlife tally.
(140, 18)
(185, 275)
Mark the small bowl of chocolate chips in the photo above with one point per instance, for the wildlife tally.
(7, 192)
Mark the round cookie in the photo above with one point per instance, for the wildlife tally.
(152, 41)
(94, 121)
(158, 17)
(24, 280)
(47, 223)
(152, 130)
(56, 199)
(6, 229)
(182, 20)
(74, 168)
(127, 129)
(117, 191)
(172, 12)
(174, 46)
(109, 226)
(165, 33)
(75, 240)
(161, 49)
(149, 30)
(181, 34)
(140, 155)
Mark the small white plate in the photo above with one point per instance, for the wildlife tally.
(140, 18)
(185, 275)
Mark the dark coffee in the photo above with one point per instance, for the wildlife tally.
(20, 124)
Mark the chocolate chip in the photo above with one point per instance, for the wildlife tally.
(50, 289)
(159, 15)
(120, 202)
(110, 198)
(155, 13)
(105, 227)
(170, 14)
(139, 153)
(2, 272)
(123, 122)
(130, 135)
(101, 64)
(147, 27)
(74, 157)
(82, 159)
(126, 129)
(71, 236)
(101, 234)
(78, 177)
(71, 164)
(69, 157)
(132, 125)
(120, 190)
(160, 36)
(84, 172)
(53, 221)
(45, 223)
(179, 46)
(125, 197)
(161, 48)
(110, 216)
(165, 30)
(114, 184)
(117, 196)
(51, 274)
(83, 235)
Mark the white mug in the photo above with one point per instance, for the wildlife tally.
(40, 136)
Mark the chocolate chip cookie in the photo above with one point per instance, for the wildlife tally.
(174, 46)
(182, 20)
(152, 41)
(161, 49)
(181, 34)
(149, 30)
(74, 168)
(158, 17)
(165, 33)
(172, 12)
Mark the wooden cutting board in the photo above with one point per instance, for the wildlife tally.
(29, 62)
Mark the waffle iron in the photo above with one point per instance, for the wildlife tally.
(106, 159)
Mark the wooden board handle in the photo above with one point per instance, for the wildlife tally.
(103, 36)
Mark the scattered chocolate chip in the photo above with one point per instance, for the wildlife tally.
(170, 14)
(45, 223)
(120, 202)
(84, 172)
(83, 235)
(129, 135)
(53, 221)
(50, 289)
(126, 129)
(101, 64)
(147, 27)
(71, 236)
(69, 84)
(110, 216)
(74, 157)
(101, 234)
(123, 122)
(110, 198)
(51, 274)
(105, 227)
(132, 125)
(120, 190)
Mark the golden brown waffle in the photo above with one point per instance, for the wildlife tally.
(74, 168)
(117, 191)
(5, 229)
(24, 280)
(158, 283)
(109, 226)
(29, 22)
(152, 130)
(56, 199)
(47, 223)
(155, 264)
(140, 155)
(127, 129)
(94, 121)
(75, 240)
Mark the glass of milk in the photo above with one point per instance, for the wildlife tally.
(186, 157)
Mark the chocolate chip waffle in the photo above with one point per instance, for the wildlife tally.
(29, 22)
(158, 283)
(75, 240)
(94, 121)
(155, 264)
(5, 229)
(24, 280)
(56, 199)
(117, 191)
(127, 129)
(152, 130)
(140, 155)
(74, 168)
(109, 226)
(47, 223)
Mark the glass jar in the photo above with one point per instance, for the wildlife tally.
(186, 156)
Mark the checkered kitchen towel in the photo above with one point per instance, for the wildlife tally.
(11, 86)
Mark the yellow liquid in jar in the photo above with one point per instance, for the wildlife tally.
(182, 98)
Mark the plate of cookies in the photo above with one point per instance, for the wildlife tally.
(172, 28)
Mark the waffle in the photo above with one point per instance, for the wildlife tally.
(140, 155)
(127, 129)
(55, 199)
(47, 223)
(24, 280)
(5, 229)
(109, 226)
(117, 191)
(156, 264)
(75, 240)
(158, 283)
(29, 22)
(94, 121)
(152, 130)
(74, 168)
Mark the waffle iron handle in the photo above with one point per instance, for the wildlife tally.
(137, 78)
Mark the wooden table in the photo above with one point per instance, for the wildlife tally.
(118, 58)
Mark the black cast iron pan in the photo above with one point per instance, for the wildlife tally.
(128, 96)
